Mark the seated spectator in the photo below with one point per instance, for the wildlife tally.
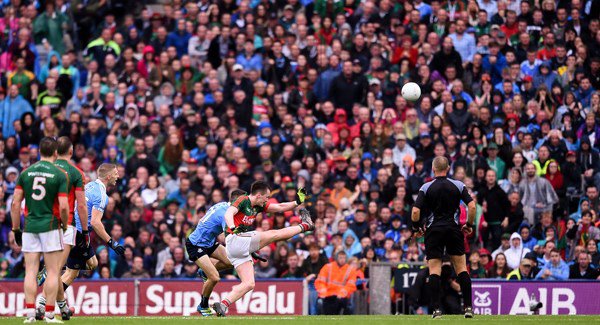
(516, 251)
(582, 269)
(523, 272)
(475, 269)
(500, 270)
(504, 245)
(555, 269)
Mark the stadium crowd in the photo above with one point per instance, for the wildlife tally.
(199, 98)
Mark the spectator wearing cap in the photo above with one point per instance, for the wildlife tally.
(556, 269)
(237, 81)
(402, 149)
(339, 191)
(12, 108)
(494, 162)
(394, 232)
(523, 272)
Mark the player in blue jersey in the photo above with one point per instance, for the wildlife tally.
(202, 245)
(83, 256)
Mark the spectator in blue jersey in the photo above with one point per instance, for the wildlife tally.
(556, 269)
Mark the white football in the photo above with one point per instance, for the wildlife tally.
(411, 91)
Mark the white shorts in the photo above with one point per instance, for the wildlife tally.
(240, 246)
(45, 242)
(69, 236)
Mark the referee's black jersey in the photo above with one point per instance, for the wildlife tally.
(439, 201)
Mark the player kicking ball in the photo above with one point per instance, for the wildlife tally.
(76, 199)
(43, 185)
(241, 242)
(202, 245)
(83, 256)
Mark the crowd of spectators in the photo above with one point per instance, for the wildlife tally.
(194, 99)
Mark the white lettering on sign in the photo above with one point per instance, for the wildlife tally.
(184, 303)
(567, 303)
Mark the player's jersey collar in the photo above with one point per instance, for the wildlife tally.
(101, 185)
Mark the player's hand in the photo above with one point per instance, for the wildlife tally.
(418, 231)
(120, 250)
(467, 229)
(86, 238)
(18, 237)
(300, 196)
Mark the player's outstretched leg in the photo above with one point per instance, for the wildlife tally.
(212, 278)
(271, 236)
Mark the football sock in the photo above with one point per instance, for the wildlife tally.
(62, 304)
(434, 290)
(305, 227)
(226, 302)
(204, 302)
(30, 310)
(50, 312)
(464, 280)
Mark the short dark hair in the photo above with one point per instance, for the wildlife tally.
(259, 187)
(64, 144)
(555, 250)
(48, 147)
(236, 193)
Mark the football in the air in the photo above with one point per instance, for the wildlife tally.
(411, 91)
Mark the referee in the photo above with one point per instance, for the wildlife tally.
(440, 202)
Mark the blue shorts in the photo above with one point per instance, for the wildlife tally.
(78, 256)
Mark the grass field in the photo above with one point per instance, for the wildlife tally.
(329, 320)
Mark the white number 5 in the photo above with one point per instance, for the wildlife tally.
(38, 186)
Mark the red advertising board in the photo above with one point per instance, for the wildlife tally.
(276, 297)
(90, 298)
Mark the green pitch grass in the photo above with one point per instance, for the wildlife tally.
(328, 320)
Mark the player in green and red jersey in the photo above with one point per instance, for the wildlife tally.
(43, 185)
(241, 242)
(76, 196)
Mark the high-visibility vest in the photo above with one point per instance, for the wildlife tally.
(514, 272)
(336, 281)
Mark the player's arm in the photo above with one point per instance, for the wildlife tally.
(471, 210)
(231, 211)
(98, 226)
(15, 215)
(63, 207)
(287, 206)
(415, 216)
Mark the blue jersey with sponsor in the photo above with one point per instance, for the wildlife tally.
(209, 227)
(96, 199)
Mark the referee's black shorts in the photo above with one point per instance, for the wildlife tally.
(447, 239)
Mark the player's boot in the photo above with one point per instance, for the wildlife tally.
(468, 312)
(29, 320)
(202, 275)
(206, 312)
(67, 313)
(306, 218)
(220, 309)
(40, 311)
(52, 320)
(436, 314)
(41, 277)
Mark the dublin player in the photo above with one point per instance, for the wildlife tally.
(43, 185)
(241, 242)
(202, 245)
(83, 256)
(76, 197)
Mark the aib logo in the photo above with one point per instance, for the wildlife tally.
(486, 299)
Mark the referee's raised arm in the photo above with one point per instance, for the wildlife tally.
(436, 214)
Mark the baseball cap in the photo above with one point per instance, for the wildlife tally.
(495, 26)
(505, 236)
(290, 186)
(356, 62)
(340, 159)
(192, 161)
(530, 256)
(492, 146)
(24, 150)
(528, 79)
(526, 262)
(286, 179)
(425, 135)
(571, 153)
(288, 7)
(183, 169)
(484, 251)
(320, 126)
(374, 81)
(396, 217)
(237, 67)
